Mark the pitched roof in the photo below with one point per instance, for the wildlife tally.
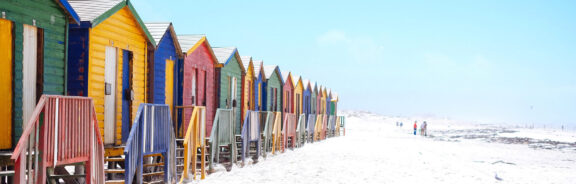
(295, 79)
(246, 60)
(92, 9)
(190, 40)
(157, 29)
(269, 70)
(285, 77)
(96, 11)
(257, 66)
(71, 12)
(306, 83)
(224, 53)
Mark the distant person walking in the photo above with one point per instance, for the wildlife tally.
(425, 128)
(415, 127)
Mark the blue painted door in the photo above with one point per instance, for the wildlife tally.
(126, 93)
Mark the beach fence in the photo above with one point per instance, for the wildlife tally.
(150, 149)
(62, 131)
(222, 138)
(251, 134)
(194, 140)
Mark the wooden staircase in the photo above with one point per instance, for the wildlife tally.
(153, 169)
(180, 158)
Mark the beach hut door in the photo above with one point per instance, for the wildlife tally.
(169, 87)
(6, 39)
(127, 93)
(32, 82)
(110, 95)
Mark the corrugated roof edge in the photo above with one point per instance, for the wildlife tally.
(116, 8)
(66, 6)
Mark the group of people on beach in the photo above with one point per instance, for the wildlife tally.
(423, 127)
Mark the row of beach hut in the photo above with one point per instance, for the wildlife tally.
(87, 84)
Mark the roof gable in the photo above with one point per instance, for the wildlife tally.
(96, 11)
(225, 54)
(160, 30)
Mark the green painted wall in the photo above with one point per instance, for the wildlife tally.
(274, 82)
(232, 69)
(52, 19)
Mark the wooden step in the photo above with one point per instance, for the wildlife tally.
(68, 176)
(153, 182)
(153, 155)
(115, 182)
(154, 164)
(114, 171)
(153, 174)
(115, 159)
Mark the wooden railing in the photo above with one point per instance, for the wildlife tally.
(250, 133)
(311, 127)
(151, 133)
(277, 132)
(301, 131)
(331, 126)
(324, 127)
(268, 124)
(62, 130)
(289, 130)
(194, 140)
(222, 135)
(342, 123)
(318, 127)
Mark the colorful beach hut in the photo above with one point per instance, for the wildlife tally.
(107, 61)
(259, 80)
(307, 100)
(334, 105)
(328, 101)
(298, 95)
(231, 76)
(247, 86)
(199, 79)
(32, 59)
(273, 89)
(167, 52)
(314, 96)
(288, 93)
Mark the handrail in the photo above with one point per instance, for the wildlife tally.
(324, 126)
(289, 130)
(277, 132)
(343, 125)
(331, 125)
(250, 133)
(194, 140)
(311, 127)
(222, 134)
(48, 143)
(267, 132)
(337, 123)
(301, 131)
(151, 133)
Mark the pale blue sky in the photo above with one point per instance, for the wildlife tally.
(490, 60)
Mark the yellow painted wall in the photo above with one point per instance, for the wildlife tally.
(248, 89)
(122, 31)
(169, 87)
(298, 90)
(6, 83)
